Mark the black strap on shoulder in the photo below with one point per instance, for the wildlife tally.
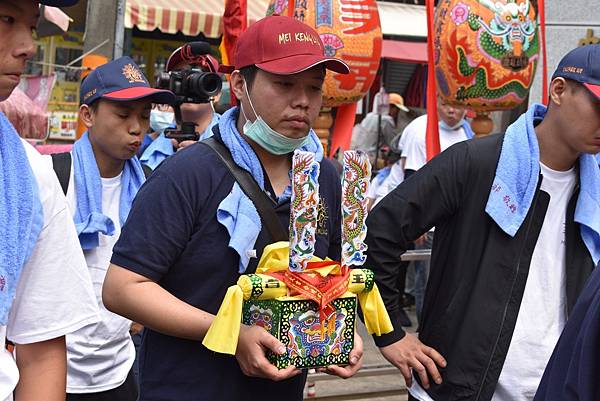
(264, 204)
(61, 163)
(147, 170)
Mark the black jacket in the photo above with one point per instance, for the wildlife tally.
(478, 272)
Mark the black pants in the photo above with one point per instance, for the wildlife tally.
(128, 391)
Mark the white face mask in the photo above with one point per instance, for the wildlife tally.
(266, 137)
(161, 120)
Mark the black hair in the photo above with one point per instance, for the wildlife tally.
(249, 73)
(94, 106)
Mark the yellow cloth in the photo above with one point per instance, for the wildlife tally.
(223, 333)
(271, 287)
(377, 320)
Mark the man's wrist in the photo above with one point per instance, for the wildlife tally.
(396, 335)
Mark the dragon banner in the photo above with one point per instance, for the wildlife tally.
(303, 209)
(355, 183)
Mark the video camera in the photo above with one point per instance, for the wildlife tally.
(190, 86)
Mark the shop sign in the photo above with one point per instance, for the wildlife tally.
(62, 125)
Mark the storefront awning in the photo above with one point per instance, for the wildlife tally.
(408, 52)
(191, 17)
(399, 19)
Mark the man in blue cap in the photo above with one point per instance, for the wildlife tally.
(572, 372)
(45, 288)
(517, 236)
(104, 178)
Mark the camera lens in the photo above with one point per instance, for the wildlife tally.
(162, 82)
(204, 84)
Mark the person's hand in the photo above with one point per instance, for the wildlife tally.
(410, 353)
(253, 342)
(356, 361)
(135, 328)
(421, 240)
(181, 145)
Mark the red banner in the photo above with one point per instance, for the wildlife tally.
(432, 137)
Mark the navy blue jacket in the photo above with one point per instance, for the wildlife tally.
(573, 372)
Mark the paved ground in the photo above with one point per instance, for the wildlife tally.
(372, 357)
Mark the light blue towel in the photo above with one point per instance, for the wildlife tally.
(517, 177)
(468, 130)
(208, 131)
(464, 124)
(89, 220)
(382, 175)
(236, 212)
(157, 151)
(21, 214)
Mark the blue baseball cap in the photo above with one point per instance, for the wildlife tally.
(58, 3)
(582, 64)
(121, 80)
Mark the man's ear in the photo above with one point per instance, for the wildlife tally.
(86, 114)
(237, 84)
(558, 88)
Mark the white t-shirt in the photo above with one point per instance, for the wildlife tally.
(543, 311)
(374, 185)
(100, 355)
(396, 176)
(54, 295)
(416, 150)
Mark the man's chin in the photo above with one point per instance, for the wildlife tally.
(295, 134)
(5, 91)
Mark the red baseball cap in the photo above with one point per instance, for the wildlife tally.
(284, 46)
(194, 54)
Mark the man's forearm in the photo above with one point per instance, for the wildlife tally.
(42, 371)
(131, 295)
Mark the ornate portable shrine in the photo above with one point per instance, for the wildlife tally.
(307, 303)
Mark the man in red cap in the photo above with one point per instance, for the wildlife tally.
(45, 288)
(192, 231)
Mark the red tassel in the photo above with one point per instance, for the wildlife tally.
(432, 137)
(342, 129)
(291, 7)
(235, 22)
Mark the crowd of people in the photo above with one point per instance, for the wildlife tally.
(134, 230)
